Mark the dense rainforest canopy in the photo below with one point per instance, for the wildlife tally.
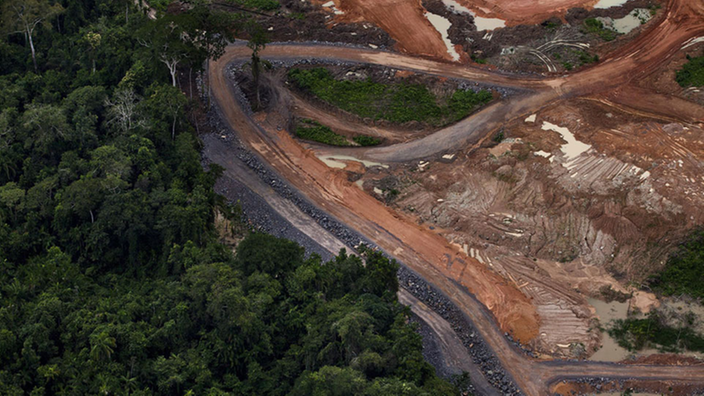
(112, 279)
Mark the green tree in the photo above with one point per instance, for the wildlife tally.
(171, 40)
(82, 197)
(215, 31)
(352, 330)
(93, 40)
(45, 125)
(331, 381)
(24, 16)
(168, 101)
(8, 134)
(12, 197)
(102, 346)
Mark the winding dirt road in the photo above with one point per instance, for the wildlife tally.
(493, 305)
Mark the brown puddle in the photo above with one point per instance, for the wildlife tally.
(608, 312)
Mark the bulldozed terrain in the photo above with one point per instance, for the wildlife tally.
(562, 221)
(573, 183)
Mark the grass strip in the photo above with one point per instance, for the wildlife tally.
(398, 103)
(364, 140)
(314, 131)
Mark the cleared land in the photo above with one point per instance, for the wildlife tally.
(528, 291)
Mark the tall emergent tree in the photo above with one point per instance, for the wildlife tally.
(93, 40)
(215, 30)
(169, 40)
(23, 17)
(257, 42)
(191, 38)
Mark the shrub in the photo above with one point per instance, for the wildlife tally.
(585, 58)
(463, 102)
(481, 61)
(311, 130)
(550, 25)
(692, 73)
(593, 25)
(364, 140)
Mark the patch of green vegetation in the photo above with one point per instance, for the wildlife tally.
(463, 102)
(567, 65)
(391, 194)
(297, 15)
(479, 60)
(585, 58)
(654, 9)
(499, 136)
(556, 56)
(692, 73)
(364, 140)
(593, 25)
(397, 103)
(636, 334)
(642, 18)
(263, 5)
(312, 130)
(160, 4)
(684, 272)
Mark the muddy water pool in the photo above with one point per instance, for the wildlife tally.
(610, 3)
(481, 23)
(608, 312)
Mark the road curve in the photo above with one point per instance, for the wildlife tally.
(684, 20)
(311, 178)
